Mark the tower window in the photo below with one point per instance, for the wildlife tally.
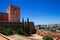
(13, 8)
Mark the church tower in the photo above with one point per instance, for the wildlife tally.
(13, 13)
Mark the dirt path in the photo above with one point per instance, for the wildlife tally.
(20, 37)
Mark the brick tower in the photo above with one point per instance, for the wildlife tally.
(13, 13)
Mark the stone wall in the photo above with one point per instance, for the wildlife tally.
(18, 25)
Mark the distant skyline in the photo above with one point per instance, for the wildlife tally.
(38, 11)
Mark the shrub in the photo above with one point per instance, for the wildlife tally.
(47, 37)
(11, 31)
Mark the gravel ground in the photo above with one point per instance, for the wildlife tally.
(20, 37)
(35, 37)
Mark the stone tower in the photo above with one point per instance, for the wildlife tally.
(13, 13)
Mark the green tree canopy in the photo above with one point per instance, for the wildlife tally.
(47, 37)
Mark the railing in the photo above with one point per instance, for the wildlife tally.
(5, 37)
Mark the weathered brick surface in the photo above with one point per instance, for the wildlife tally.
(31, 26)
(12, 15)
(3, 16)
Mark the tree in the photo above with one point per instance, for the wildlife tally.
(47, 37)
(25, 30)
(53, 30)
(23, 23)
(27, 24)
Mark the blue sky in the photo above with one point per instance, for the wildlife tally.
(38, 11)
